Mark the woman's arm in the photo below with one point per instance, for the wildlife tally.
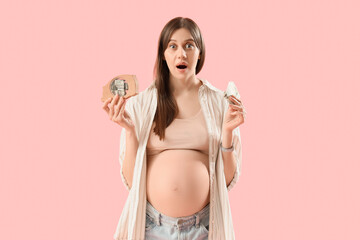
(228, 157)
(234, 117)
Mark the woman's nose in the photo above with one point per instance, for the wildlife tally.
(181, 52)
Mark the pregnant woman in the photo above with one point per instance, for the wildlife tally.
(180, 148)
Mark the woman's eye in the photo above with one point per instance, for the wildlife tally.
(170, 46)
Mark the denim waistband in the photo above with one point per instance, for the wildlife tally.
(180, 222)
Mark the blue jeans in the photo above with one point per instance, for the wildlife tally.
(162, 227)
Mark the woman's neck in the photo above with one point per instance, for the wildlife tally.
(181, 86)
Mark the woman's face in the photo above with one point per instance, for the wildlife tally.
(181, 49)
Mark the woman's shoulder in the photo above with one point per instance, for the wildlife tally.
(220, 97)
(212, 91)
(230, 89)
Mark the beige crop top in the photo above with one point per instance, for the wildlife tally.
(189, 133)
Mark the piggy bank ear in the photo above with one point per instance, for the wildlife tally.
(231, 90)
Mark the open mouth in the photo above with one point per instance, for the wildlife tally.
(181, 66)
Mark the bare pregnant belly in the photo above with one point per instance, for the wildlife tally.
(177, 182)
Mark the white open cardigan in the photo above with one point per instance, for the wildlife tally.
(142, 108)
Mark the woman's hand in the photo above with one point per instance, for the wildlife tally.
(234, 115)
(117, 112)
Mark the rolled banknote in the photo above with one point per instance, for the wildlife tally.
(125, 85)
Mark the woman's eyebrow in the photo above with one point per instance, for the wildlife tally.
(190, 39)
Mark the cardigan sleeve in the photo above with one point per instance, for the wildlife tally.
(129, 107)
(232, 90)
(122, 156)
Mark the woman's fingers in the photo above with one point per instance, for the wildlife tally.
(236, 107)
(232, 96)
(235, 100)
(112, 104)
(105, 105)
(119, 112)
(122, 108)
(118, 106)
(116, 111)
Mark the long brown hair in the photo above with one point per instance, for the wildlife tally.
(167, 108)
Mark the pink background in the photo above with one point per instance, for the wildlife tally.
(295, 63)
